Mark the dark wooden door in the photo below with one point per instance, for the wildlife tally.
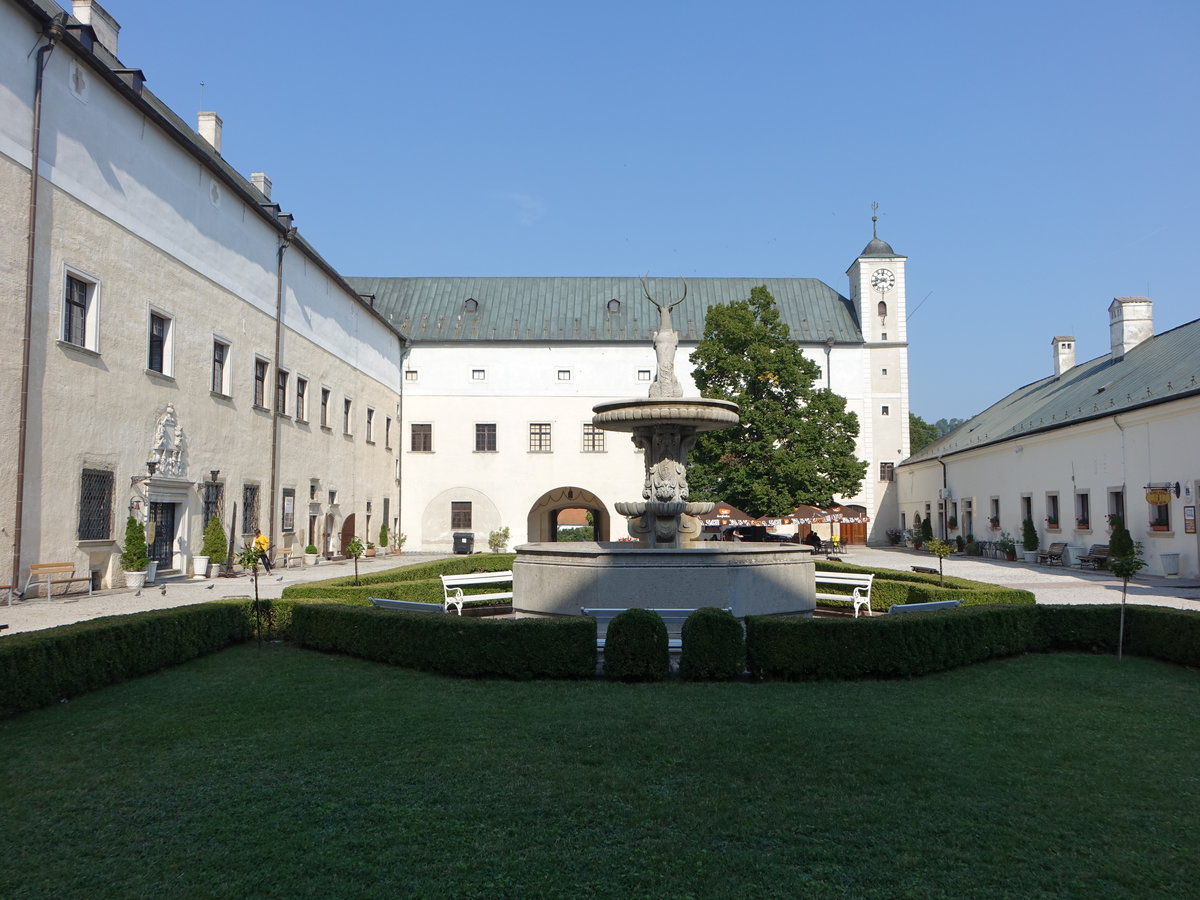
(162, 548)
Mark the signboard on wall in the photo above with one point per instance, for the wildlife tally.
(1158, 497)
(1189, 520)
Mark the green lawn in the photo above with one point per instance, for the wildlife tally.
(287, 773)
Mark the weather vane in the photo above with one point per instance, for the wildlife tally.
(874, 218)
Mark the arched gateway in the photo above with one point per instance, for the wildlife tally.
(542, 521)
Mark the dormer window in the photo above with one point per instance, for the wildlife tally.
(614, 306)
(472, 305)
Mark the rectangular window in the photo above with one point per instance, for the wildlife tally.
(887, 471)
(1083, 511)
(1026, 508)
(160, 344)
(214, 501)
(643, 374)
(324, 407)
(885, 411)
(220, 368)
(1052, 518)
(95, 505)
(281, 391)
(410, 375)
(1160, 516)
(485, 438)
(460, 514)
(301, 399)
(539, 437)
(249, 508)
(79, 313)
(370, 425)
(478, 375)
(333, 498)
(1116, 504)
(593, 438)
(387, 434)
(260, 383)
(564, 374)
(994, 515)
(422, 438)
(347, 411)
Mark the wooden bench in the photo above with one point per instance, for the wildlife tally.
(855, 580)
(923, 607)
(672, 618)
(1097, 557)
(452, 586)
(925, 570)
(1053, 554)
(51, 574)
(407, 605)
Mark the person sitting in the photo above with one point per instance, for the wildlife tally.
(813, 540)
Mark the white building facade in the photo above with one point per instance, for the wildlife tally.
(188, 353)
(1113, 435)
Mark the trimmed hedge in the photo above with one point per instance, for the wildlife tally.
(420, 583)
(636, 647)
(452, 645)
(40, 667)
(714, 646)
(892, 587)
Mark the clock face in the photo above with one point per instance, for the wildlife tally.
(883, 280)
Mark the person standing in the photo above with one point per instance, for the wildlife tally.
(262, 544)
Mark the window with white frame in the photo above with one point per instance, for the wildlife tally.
(159, 357)
(260, 383)
(885, 410)
(479, 375)
(410, 374)
(301, 399)
(370, 425)
(325, 411)
(643, 374)
(593, 438)
(281, 391)
(220, 367)
(539, 437)
(80, 312)
(1052, 516)
(1083, 510)
(564, 374)
(347, 415)
(1160, 514)
(887, 471)
(994, 513)
(1116, 503)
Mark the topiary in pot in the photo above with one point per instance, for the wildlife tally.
(714, 646)
(635, 648)
(134, 557)
(215, 545)
(927, 530)
(1029, 536)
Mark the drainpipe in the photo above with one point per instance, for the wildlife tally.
(285, 241)
(53, 31)
(405, 349)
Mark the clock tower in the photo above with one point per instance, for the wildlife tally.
(877, 289)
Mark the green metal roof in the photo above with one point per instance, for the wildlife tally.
(578, 309)
(1161, 369)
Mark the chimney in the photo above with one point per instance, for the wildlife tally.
(262, 182)
(1130, 321)
(210, 129)
(89, 12)
(1064, 354)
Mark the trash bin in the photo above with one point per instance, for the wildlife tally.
(1170, 563)
(464, 542)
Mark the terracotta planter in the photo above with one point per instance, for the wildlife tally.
(369, 552)
(1159, 527)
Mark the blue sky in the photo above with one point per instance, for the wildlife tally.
(1033, 160)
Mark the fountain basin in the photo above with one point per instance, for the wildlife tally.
(695, 413)
(752, 579)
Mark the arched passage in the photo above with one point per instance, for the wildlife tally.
(542, 522)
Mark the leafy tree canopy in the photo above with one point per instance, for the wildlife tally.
(920, 433)
(945, 426)
(796, 441)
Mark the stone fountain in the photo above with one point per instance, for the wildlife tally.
(667, 567)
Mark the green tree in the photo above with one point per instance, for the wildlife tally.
(945, 426)
(796, 441)
(1124, 560)
(920, 433)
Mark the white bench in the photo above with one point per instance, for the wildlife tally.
(452, 586)
(672, 618)
(861, 595)
(923, 607)
(407, 605)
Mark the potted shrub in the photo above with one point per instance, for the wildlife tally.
(1006, 545)
(400, 539)
(213, 546)
(952, 522)
(310, 555)
(383, 538)
(134, 557)
(498, 540)
(1029, 540)
(994, 521)
(370, 551)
